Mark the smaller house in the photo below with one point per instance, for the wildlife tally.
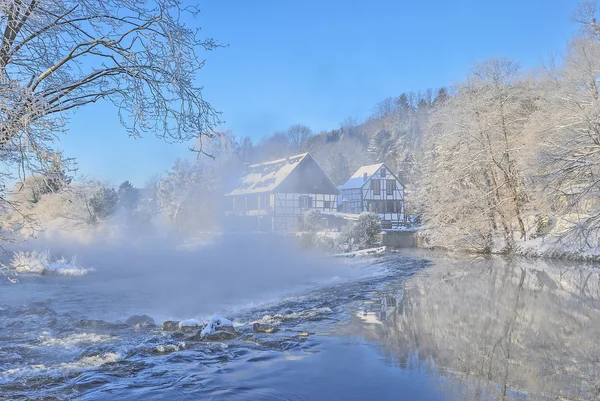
(275, 195)
(374, 189)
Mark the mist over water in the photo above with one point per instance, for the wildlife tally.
(424, 325)
(169, 281)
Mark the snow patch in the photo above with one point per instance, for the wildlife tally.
(215, 323)
(363, 252)
(189, 323)
(38, 263)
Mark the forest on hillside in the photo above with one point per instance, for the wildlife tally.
(505, 157)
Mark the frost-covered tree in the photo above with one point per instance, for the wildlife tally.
(339, 159)
(58, 56)
(103, 203)
(298, 134)
(274, 147)
(568, 130)
(128, 199)
(472, 183)
(190, 194)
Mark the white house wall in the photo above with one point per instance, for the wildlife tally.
(361, 200)
(288, 212)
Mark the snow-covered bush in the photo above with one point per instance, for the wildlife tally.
(37, 263)
(312, 220)
(345, 242)
(367, 230)
(362, 234)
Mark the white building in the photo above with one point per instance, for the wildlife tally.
(374, 189)
(276, 194)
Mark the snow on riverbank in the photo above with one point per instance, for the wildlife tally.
(38, 263)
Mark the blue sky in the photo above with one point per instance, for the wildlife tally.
(319, 62)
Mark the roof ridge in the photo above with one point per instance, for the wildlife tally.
(300, 155)
(355, 177)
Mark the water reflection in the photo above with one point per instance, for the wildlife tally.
(502, 328)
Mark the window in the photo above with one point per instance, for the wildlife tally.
(305, 202)
(383, 172)
(392, 206)
(390, 187)
(326, 204)
(376, 187)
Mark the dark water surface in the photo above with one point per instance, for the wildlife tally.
(418, 326)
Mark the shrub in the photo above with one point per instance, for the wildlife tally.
(363, 234)
(367, 230)
(312, 220)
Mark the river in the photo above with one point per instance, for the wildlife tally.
(415, 325)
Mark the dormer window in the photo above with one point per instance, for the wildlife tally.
(383, 172)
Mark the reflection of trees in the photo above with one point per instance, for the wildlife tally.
(504, 327)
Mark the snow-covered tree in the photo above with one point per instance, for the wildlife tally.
(191, 193)
(568, 130)
(298, 134)
(103, 203)
(472, 183)
(58, 56)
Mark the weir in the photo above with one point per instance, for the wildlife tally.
(393, 239)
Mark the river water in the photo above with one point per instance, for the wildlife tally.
(403, 326)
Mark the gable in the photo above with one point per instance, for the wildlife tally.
(265, 177)
(308, 178)
(358, 181)
(389, 175)
(299, 174)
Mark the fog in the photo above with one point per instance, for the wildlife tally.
(166, 280)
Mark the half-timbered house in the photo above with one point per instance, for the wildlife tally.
(276, 194)
(374, 189)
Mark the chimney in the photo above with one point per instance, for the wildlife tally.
(365, 177)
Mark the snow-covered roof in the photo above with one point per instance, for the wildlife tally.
(265, 177)
(357, 180)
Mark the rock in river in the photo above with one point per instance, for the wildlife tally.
(189, 326)
(170, 325)
(263, 328)
(99, 324)
(141, 320)
(222, 334)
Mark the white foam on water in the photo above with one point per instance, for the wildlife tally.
(75, 340)
(303, 314)
(170, 347)
(62, 369)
